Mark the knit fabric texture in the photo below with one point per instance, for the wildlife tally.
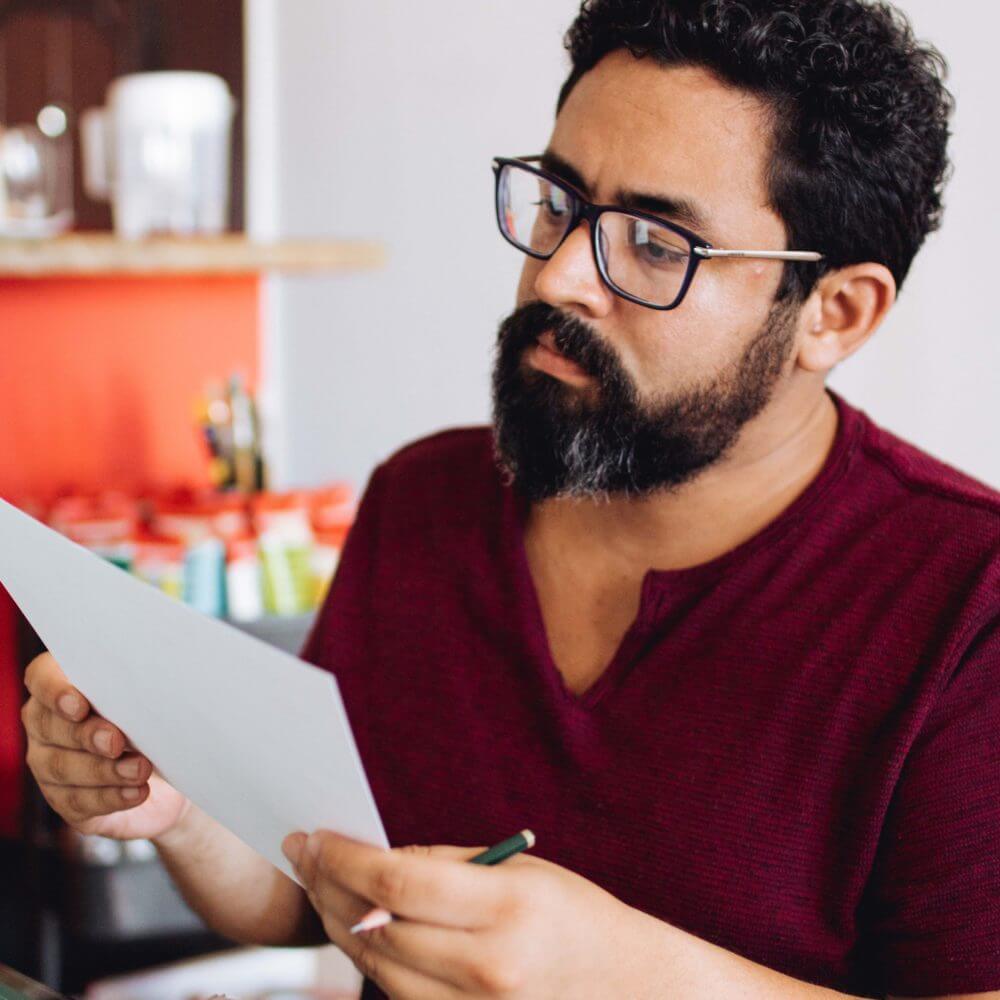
(794, 753)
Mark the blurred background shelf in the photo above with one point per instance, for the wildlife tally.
(103, 254)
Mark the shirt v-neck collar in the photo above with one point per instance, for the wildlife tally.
(660, 588)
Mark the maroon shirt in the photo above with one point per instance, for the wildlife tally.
(794, 753)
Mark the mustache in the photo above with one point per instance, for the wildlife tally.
(572, 337)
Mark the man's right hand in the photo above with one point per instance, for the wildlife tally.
(84, 766)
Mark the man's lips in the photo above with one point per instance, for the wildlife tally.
(544, 356)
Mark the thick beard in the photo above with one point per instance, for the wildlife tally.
(556, 441)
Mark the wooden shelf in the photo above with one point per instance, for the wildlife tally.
(103, 254)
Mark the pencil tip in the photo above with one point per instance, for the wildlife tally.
(529, 837)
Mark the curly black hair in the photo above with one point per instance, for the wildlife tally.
(861, 111)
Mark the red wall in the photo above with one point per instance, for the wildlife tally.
(98, 379)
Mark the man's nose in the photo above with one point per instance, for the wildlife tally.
(570, 276)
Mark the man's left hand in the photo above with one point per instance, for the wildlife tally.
(526, 928)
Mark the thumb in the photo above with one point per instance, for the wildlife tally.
(441, 851)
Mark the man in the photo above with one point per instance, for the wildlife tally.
(727, 647)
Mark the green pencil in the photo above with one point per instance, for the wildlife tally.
(491, 856)
(522, 841)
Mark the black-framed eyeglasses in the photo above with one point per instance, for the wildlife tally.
(639, 256)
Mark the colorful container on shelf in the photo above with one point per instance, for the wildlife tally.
(226, 554)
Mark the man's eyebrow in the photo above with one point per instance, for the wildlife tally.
(555, 164)
(680, 210)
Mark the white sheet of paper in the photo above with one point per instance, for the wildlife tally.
(257, 738)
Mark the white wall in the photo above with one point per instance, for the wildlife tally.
(933, 372)
(386, 115)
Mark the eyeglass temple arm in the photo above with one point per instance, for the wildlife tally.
(805, 255)
(708, 252)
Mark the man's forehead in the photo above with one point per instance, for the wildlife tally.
(632, 123)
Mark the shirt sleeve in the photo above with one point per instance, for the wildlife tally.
(935, 890)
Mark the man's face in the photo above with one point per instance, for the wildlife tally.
(654, 397)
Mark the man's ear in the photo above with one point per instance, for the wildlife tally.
(845, 309)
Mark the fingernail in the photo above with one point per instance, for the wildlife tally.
(128, 768)
(131, 794)
(292, 847)
(70, 704)
(312, 844)
(102, 740)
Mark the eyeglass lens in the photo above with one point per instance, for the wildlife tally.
(641, 258)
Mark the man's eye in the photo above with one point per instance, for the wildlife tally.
(653, 250)
(552, 208)
(555, 203)
(659, 251)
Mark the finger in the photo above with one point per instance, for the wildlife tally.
(46, 682)
(441, 851)
(95, 733)
(419, 885)
(396, 980)
(294, 845)
(77, 804)
(459, 957)
(395, 977)
(330, 899)
(58, 766)
(457, 853)
(325, 896)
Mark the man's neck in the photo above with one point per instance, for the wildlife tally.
(779, 453)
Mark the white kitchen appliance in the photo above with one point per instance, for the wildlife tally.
(160, 152)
